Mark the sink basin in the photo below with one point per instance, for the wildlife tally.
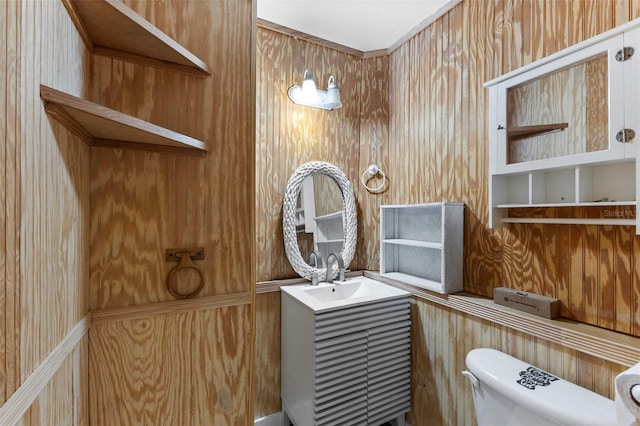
(340, 294)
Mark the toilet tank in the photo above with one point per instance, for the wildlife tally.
(510, 391)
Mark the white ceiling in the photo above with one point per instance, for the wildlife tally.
(364, 25)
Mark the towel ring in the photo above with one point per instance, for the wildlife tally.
(184, 263)
(372, 171)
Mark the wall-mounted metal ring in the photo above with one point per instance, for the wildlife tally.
(185, 263)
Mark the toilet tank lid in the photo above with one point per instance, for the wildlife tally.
(540, 392)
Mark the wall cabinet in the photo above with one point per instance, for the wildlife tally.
(348, 365)
(421, 244)
(562, 131)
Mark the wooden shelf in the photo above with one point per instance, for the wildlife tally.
(109, 28)
(604, 344)
(516, 133)
(101, 126)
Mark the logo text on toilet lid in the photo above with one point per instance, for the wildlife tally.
(532, 377)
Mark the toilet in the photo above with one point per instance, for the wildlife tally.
(508, 391)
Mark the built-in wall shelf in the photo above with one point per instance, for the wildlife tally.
(100, 126)
(522, 132)
(110, 28)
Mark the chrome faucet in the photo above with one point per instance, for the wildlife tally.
(337, 258)
(316, 260)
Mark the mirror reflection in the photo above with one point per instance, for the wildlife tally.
(319, 207)
(298, 218)
(563, 113)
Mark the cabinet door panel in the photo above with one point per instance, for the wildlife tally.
(565, 112)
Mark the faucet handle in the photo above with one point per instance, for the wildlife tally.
(340, 261)
(316, 259)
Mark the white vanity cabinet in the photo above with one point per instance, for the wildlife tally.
(421, 244)
(346, 365)
(562, 131)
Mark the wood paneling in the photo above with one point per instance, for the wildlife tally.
(143, 203)
(44, 196)
(10, 21)
(289, 135)
(587, 267)
(374, 134)
(441, 338)
(70, 380)
(187, 368)
(267, 355)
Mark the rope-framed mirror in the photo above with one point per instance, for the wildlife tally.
(289, 218)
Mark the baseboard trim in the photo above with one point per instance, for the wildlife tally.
(270, 420)
(18, 403)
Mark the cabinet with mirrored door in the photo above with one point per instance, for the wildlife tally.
(562, 133)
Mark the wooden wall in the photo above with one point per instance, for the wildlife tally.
(431, 138)
(44, 211)
(439, 152)
(289, 135)
(155, 360)
(440, 340)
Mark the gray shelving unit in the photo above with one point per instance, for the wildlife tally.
(421, 245)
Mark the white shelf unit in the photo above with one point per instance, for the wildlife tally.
(329, 234)
(306, 207)
(605, 177)
(421, 244)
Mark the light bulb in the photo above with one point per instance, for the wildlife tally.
(309, 91)
(333, 94)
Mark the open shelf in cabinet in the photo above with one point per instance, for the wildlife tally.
(101, 126)
(110, 28)
(611, 187)
(515, 133)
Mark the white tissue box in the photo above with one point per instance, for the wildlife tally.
(543, 306)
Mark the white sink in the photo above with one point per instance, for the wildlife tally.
(340, 294)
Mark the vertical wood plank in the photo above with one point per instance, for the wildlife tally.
(267, 357)
(374, 141)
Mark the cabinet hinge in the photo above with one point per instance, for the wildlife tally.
(624, 54)
(625, 135)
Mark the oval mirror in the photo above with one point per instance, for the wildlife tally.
(303, 188)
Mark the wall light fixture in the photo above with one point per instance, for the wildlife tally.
(309, 95)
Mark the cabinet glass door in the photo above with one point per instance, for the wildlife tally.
(565, 112)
